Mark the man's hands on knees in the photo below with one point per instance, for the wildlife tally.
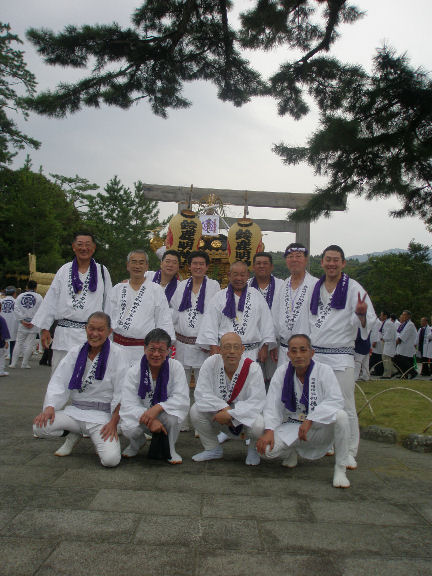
(267, 439)
(223, 417)
(150, 419)
(42, 419)
(109, 431)
(304, 429)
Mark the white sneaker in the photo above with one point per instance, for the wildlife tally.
(291, 461)
(214, 454)
(252, 458)
(4, 373)
(340, 479)
(26, 367)
(12, 366)
(71, 441)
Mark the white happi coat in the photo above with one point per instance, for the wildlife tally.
(325, 401)
(188, 322)
(106, 391)
(135, 313)
(254, 325)
(133, 406)
(150, 274)
(427, 347)
(408, 337)
(333, 332)
(213, 390)
(278, 285)
(61, 302)
(7, 311)
(26, 306)
(388, 338)
(291, 310)
(376, 337)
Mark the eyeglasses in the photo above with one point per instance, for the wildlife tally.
(154, 350)
(228, 347)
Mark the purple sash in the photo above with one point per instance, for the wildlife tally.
(402, 326)
(270, 292)
(288, 391)
(230, 308)
(75, 382)
(339, 298)
(170, 288)
(186, 302)
(76, 281)
(161, 388)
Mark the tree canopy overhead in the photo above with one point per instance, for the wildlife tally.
(16, 81)
(374, 134)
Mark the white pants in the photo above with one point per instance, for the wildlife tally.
(319, 438)
(24, 344)
(136, 436)
(2, 360)
(361, 367)
(208, 429)
(347, 386)
(57, 357)
(108, 452)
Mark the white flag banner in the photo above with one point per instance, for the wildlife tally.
(210, 224)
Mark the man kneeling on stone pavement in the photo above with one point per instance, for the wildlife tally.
(303, 413)
(90, 375)
(155, 396)
(229, 397)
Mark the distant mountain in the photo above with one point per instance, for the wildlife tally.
(365, 257)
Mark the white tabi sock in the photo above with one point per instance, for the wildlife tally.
(214, 454)
(291, 461)
(71, 441)
(252, 458)
(351, 463)
(340, 479)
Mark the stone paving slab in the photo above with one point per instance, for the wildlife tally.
(69, 516)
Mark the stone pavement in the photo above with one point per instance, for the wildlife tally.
(69, 516)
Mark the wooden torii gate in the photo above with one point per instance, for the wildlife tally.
(261, 199)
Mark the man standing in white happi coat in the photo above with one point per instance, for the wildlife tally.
(167, 276)
(26, 306)
(137, 307)
(339, 307)
(388, 339)
(406, 338)
(155, 396)
(269, 286)
(189, 303)
(7, 311)
(229, 397)
(303, 413)
(79, 288)
(422, 346)
(90, 376)
(241, 309)
(291, 309)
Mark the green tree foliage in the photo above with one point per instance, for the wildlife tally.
(35, 217)
(375, 138)
(121, 220)
(396, 282)
(172, 42)
(15, 82)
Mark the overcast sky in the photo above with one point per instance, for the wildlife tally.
(213, 144)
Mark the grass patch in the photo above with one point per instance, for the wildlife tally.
(405, 411)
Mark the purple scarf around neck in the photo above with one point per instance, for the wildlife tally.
(170, 288)
(186, 302)
(161, 388)
(75, 382)
(402, 326)
(339, 298)
(270, 292)
(230, 308)
(288, 391)
(76, 280)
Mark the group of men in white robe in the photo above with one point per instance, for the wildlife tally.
(253, 320)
